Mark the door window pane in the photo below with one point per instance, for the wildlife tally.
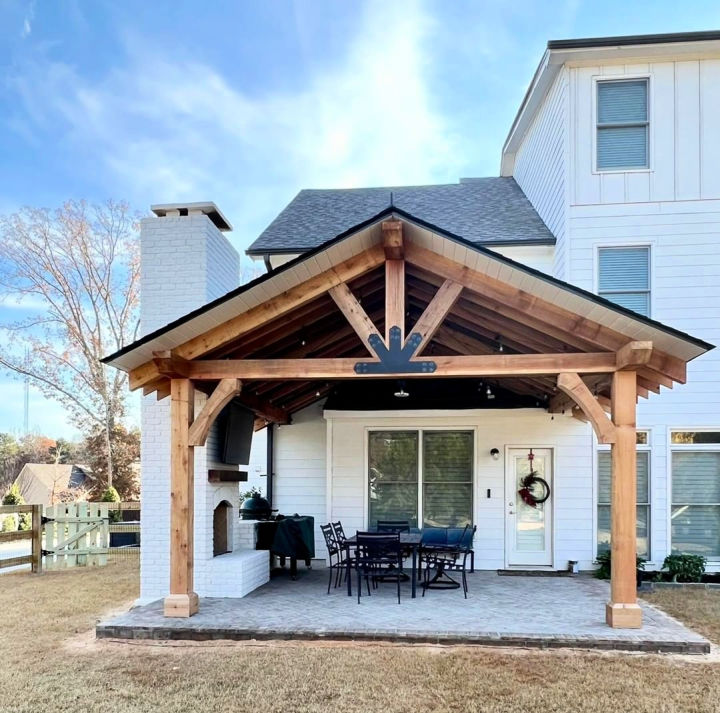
(447, 478)
(393, 476)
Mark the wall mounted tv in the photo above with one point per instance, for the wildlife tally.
(239, 425)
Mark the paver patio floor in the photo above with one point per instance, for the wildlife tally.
(500, 610)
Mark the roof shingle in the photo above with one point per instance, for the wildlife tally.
(481, 210)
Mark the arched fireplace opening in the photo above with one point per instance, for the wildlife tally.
(222, 529)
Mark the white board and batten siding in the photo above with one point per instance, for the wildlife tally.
(684, 104)
(673, 207)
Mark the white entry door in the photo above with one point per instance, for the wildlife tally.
(528, 529)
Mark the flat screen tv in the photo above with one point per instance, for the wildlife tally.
(239, 423)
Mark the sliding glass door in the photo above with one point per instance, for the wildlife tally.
(422, 476)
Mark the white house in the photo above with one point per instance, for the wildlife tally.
(599, 236)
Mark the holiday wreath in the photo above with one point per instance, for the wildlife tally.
(535, 490)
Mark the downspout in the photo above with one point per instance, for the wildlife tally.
(266, 260)
(270, 462)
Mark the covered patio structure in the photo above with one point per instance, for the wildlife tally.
(396, 298)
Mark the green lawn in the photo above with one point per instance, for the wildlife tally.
(51, 662)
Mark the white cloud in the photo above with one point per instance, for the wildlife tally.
(179, 130)
(28, 20)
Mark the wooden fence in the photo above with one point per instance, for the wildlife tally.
(76, 535)
(71, 534)
(35, 534)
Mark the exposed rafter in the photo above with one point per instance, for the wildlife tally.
(257, 316)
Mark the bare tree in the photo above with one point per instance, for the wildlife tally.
(80, 265)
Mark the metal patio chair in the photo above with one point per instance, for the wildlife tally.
(377, 556)
(334, 553)
(445, 560)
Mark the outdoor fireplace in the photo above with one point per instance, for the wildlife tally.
(222, 528)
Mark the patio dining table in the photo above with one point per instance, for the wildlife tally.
(408, 540)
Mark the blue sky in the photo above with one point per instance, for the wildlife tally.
(244, 103)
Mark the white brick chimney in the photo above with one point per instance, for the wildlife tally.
(185, 261)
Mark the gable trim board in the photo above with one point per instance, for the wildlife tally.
(358, 239)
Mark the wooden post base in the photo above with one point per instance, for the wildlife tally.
(181, 605)
(623, 616)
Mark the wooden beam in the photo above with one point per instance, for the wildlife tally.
(577, 390)
(224, 392)
(354, 313)
(526, 303)
(275, 307)
(344, 368)
(182, 600)
(392, 233)
(634, 354)
(623, 611)
(265, 410)
(170, 365)
(394, 298)
(434, 314)
(522, 326)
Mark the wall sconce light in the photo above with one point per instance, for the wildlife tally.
(495, 453)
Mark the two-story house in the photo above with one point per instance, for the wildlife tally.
(414, 352)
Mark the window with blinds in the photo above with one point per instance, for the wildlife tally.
(643, 502)
(447, 478)
(421, 476)
(622, 125)
(624, 277)
(695, 515)
(393, 476)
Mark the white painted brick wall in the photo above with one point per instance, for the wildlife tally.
(185, 263)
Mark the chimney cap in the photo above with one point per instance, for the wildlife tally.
(207, 208)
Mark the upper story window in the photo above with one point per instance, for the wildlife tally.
(624, 277)
(622, 124)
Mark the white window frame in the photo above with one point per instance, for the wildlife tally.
(609, 245)
(645, 447)
(691, 447)
(620, 78)
(420, 430)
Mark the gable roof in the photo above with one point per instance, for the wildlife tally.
(60, 475)
(358, 239)
(485, 211)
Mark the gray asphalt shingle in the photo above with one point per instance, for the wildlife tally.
(482, 210)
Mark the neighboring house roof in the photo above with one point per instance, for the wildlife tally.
(356, 240)
(485, 211)
(38, 481)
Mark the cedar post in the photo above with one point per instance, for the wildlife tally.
(623, 611)
(182, 600)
